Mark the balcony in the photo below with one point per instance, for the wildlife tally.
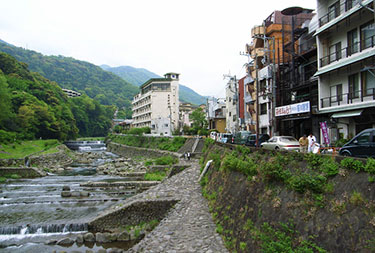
(335, 12)
(257, 31)
(348, 98)
(348, 51)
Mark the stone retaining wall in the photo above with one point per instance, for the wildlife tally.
(131, 152)
(132, 214)
(23, 172)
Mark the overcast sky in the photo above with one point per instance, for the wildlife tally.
(200, 39)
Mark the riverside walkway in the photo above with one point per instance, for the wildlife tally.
(188, 226)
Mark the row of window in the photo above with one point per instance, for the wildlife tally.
(366, 34)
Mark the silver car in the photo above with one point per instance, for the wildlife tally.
(281, 143)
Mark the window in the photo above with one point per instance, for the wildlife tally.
(230, 114)
(367, 35)
(335, 52)
(263, 108)
(333, 10)
(354, 86)
(336, 93)
(364, 138)
(368, 83)
(263, 85)
(353, 42)
(350, 3)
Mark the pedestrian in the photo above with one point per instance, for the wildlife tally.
(185, 155)
(311, 143)
(188, 155)
(303, 142)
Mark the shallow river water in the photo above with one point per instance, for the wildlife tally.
(32, 211)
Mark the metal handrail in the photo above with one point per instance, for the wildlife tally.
(348, 51)
(331, 15)
(347, 98)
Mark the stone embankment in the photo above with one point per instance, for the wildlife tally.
(187, 225)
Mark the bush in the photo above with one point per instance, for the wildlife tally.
(370, 166)
(165, 160)
(7, 137)
(330, 168)
(352, 164)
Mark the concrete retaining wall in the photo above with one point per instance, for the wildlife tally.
(131, 152)
(132, 214)
(23, 172)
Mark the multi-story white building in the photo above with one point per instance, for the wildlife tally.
(346, 65)
(157, 105)
(232, 113)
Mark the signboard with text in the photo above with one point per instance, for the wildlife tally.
(292, 109)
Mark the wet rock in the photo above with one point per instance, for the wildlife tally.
(89, 251)
(102, 237)
(102, 251)
(84, 194)
(79, 239)
(75, 194)
(65, 241)
(124, 236)
(66, 188)
(89, 237)
(115, 250)
(66, 194)
(60, 170)
(51, 242)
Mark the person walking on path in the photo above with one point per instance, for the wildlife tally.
(303, 142)
(188, 155)
(311, 143)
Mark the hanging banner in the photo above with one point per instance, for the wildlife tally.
(323, 126)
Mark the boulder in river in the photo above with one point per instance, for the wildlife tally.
(79, 239)
(66, 194)
(65, 241)
(89, 237)
(66, 188)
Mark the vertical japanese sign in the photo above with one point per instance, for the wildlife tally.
(323, 126)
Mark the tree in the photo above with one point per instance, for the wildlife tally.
(199, 120)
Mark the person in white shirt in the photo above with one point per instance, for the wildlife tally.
(311, 142)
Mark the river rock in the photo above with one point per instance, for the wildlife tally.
(79, 239)
(76, 194)
(66, 188)
(102, 251)
(51, 242)
(102, 237)
(84, 194)
(65, 241)
(124, 236)
(60, 170)
(115, 250)
(66, 194)
(89, 237)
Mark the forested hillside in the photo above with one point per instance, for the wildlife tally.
(69, 73)
(32, 107)
(138, 76)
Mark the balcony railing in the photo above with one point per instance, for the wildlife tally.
(348, 51)
(348, 98)
(334, 13)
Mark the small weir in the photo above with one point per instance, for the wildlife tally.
(34, 211)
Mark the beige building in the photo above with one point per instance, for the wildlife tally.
(157, 105)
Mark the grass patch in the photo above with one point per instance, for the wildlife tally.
(26, 148)
(2, 180)
(155, 176)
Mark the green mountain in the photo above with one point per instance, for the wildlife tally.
(138, 76)
(32, 107)
(81, 76)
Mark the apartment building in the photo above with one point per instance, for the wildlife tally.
(232, 106)
(346, 65)
(157, 105)
(215, 113)
(186, 109)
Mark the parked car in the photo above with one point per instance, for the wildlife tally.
(226, 138)
(251, 140)
(241, 137)
(281, 143)
(213, 135)
(362, 145)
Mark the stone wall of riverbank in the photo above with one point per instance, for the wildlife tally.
(131, 152)
(23, 172)
(131, 214)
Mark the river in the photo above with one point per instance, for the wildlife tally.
(33, 212)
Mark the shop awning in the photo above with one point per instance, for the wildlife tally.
(346, 114)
